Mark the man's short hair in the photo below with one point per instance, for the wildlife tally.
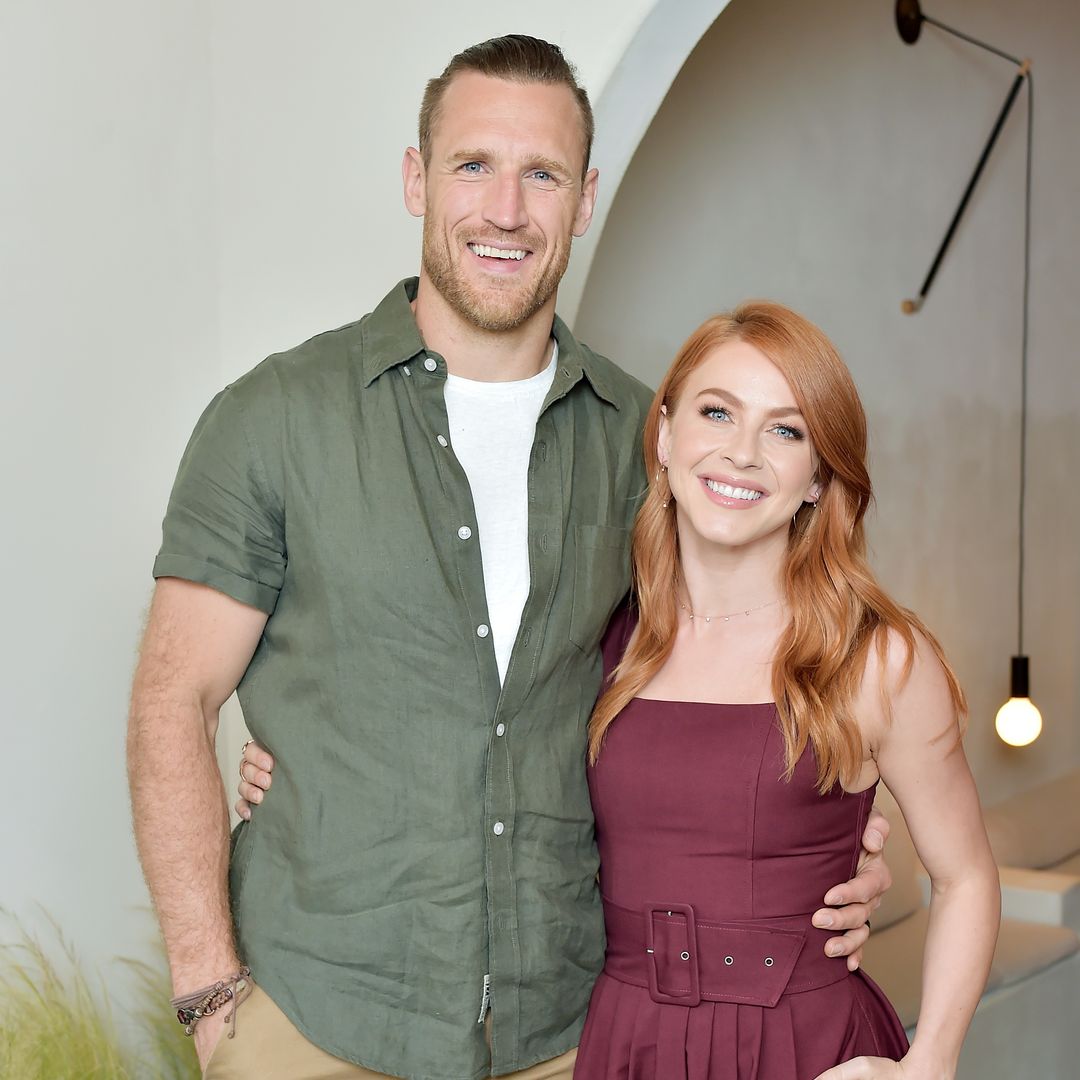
(517, 58)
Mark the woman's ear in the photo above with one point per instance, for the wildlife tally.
(663, 440)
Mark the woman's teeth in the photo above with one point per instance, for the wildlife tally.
(732, 492)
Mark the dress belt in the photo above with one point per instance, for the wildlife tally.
(683, 960)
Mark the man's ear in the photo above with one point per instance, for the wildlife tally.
(586, 202)
(414, 181)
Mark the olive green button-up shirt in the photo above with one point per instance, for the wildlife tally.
(429, 830)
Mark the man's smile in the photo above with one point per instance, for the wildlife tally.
(486, 251)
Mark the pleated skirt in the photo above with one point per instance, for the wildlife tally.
(628, 1036)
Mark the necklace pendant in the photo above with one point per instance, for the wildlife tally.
(708, 618)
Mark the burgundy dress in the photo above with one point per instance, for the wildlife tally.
(711, 867)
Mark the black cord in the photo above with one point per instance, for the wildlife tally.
(1024, 364)
(973, 41)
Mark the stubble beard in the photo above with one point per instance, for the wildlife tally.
(494, 311)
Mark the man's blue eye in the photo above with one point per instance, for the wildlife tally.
(471, 167)
(541, 175)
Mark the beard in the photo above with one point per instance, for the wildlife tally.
(504, 305)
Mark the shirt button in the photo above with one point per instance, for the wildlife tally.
(483, 630)
(498, 828)
(464, 532)
(441, 440)
(500, 730)
(430, 364)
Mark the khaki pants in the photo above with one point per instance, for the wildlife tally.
(268, 1047)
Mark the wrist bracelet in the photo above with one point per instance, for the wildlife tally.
(191, 1008)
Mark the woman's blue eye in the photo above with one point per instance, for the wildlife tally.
(786, 431)
(715, 412)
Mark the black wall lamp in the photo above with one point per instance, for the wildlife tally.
(1018, 721)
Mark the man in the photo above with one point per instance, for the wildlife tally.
(401, 542)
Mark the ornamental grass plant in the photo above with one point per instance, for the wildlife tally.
(57, 1021)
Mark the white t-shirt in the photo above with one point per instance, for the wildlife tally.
(492, 425)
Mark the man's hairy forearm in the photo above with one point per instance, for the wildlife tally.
(181, 828)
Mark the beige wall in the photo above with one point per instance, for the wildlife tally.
(313, 111)
(805, 153)
(108, 349)
(185, 188)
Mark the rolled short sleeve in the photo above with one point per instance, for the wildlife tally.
(224, 526)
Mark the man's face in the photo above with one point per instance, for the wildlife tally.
(502, 196)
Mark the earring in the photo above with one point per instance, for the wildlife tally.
(662, 469)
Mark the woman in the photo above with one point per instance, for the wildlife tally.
(757, 690)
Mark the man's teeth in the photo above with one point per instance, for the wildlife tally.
(732, 492)
(497, 253)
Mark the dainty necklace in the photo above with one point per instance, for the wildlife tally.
(726, 618)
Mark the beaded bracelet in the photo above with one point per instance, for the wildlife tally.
(191, 1008)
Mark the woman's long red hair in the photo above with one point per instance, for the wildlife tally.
(837, 606)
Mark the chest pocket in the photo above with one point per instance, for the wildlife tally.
(601, 580)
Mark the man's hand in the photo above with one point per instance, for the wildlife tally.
(851, 904)
(207, 1033)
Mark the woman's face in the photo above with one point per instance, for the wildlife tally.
(740, 461)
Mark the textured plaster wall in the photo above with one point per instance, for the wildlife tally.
(805, 153)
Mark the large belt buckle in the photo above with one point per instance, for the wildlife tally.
(689, 955)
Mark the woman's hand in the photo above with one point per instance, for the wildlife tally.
(875, 1068)
(256, 765)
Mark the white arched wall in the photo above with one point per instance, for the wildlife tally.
(804, 153)
(624, 109)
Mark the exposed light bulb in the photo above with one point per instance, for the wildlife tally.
(1018, 722)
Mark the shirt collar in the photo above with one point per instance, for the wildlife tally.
(576, 360)
(390, 334)
(391, 337)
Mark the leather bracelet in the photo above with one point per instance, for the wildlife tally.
(193, 1007)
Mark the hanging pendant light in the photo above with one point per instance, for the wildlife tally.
(1018, 721)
